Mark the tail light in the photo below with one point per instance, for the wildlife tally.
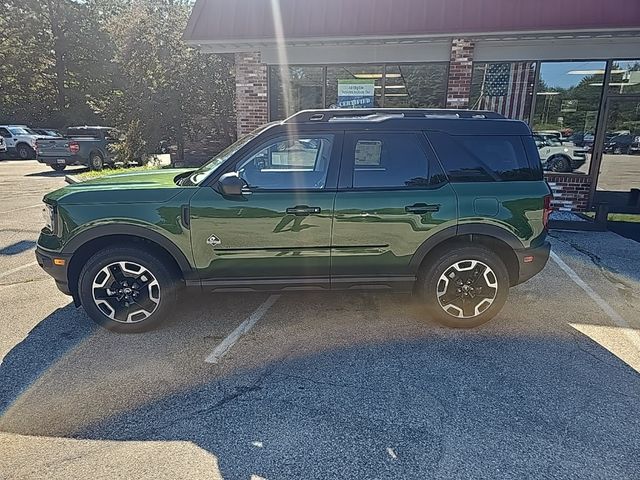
(547, 210)
(74, 147)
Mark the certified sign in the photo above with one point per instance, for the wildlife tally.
(355, 93)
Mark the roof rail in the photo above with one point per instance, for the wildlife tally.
(327, 115)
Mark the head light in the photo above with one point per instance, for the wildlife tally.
(48, 215)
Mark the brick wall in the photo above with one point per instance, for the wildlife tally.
(570, 192)
(251, 92)
(460, 73)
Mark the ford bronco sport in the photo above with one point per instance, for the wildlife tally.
(449, 204)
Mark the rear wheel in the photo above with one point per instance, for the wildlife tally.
(58, 167)
(96, 162)
(465, 287)
(126, 289)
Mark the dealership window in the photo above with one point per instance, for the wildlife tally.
(504, 87)
(568, 98)
(625, 77)
(422, 85)
(414, 85)
(294, 88)
(367, 77)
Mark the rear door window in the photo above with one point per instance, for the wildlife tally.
(387, 160)
(483, 158)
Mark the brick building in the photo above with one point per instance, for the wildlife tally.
(570, 69)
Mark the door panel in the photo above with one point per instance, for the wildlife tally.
(392, 197)
(280, 227)
(374, 234)
(258, 238)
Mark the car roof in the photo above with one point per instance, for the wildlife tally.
(454, 122)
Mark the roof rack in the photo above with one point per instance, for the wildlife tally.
(327, 115)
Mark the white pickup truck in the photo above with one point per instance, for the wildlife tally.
(558, 156)
(20, 140)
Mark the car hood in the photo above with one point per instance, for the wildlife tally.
(136, 187)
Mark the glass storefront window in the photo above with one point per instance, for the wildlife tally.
(505, 87)
(293, 89)
(359, 73)
(568, 99)
(415, 85)
(625, 77)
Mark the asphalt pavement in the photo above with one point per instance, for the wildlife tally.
(324, 385)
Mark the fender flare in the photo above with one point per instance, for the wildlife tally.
(132, 230)
(450, 233)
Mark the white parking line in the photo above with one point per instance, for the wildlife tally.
(17, 269)
(631, 334)
(244, 327)
(22, 208)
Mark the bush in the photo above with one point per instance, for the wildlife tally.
(132, 147)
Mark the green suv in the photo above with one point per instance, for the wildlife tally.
(449, 204)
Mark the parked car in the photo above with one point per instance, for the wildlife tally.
(19, 140)
(558, 157)
(449, 204)
(81, 146)
(625, 143)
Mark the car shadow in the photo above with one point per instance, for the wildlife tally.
(53, 173)
(17, 247)
(310, 394)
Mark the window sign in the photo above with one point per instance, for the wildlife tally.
(355, 93)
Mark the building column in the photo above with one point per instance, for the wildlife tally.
(460, 73)
(251, 92)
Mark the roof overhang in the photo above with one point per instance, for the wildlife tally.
(238, 25)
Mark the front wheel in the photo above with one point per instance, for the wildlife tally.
(560, 164)
(126, 289)
(465, 287)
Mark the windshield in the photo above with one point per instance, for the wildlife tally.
(19, 131)
(212, 165)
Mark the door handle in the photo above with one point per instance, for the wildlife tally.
(422, 208)
(302, 210)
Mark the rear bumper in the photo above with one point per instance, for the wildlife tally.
(531, 261)
(73, 160)
(58, 272)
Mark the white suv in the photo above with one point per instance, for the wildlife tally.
(19, 140)
(557, 156)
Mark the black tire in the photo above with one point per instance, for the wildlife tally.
(560, 164)
(57, 167)
(96, 162)
(25, 152)
(110, 307)
(432, 285)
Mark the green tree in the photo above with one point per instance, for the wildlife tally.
(177, 92)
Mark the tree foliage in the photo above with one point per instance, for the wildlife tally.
(115, 62)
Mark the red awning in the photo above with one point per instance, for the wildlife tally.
(220, 21)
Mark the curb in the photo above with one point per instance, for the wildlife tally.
(71, 179)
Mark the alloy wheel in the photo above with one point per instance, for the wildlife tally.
(126, 292)
(467, 288)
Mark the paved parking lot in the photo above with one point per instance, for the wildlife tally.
(349, 385)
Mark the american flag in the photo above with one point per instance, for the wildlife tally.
(507, 88)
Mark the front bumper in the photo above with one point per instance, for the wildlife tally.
(536, 258)
(58, 272)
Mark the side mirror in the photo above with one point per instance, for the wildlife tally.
(231, 184)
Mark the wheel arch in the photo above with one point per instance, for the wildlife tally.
(498, 240)
(84, 245)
